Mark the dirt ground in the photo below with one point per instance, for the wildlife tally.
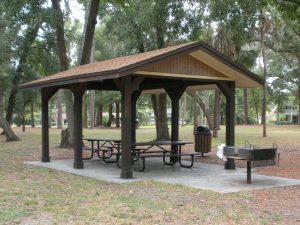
(285, 201)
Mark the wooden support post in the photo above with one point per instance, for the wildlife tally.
(46, 94)
(134, 97)
(78, 92)
(127, 86)
(248, 172)
(126, 129)
(175, 93)
(228, 89)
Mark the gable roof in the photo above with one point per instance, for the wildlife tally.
(122, 66)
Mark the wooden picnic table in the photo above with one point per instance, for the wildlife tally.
(141, 151)
(160, 145)
(103, 145)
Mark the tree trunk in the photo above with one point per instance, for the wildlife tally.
(184, 109)
(204, 110)
(216, 113)
(30, 36)
(219, 116)
(93, 92)
(263, 53)
(160, 115)
(1, 101)
(159, 102)
(162, 119)
(32, 114)
(92, 109)
(10, 135)
(117, 114)
(278, 107)
(100, 115)
(299, 97)
(255, 105)
(85, 56)
(246, 114)
(59, 120)
(110, 115)
(1, 107)
(63, 61)
(89, 32)
(195, 109)
(68, 97)
(23, 117)
(84, 105)
(23, 122)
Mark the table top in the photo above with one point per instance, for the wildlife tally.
(141, 143)
(161, 143)
(101, 139)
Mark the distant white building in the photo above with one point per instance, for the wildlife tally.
(291, 114)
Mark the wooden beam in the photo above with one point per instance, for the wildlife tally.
(78, 92)
(46, 94)
(185, 76)
(150, 84)
(102, 85)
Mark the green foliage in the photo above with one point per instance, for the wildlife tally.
(133, 26)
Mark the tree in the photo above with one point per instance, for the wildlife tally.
(63, 62)
(285, 42)
(29, 38)
(263, 31)
(10, 135)
(147, 25)
(84, 56)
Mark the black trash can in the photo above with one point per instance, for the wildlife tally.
(203, 139)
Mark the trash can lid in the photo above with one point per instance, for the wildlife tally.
(203, 130)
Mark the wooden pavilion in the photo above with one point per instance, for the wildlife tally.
(172, 69)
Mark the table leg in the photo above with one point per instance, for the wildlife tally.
(248, 172)
(174, 151)
(92, 152)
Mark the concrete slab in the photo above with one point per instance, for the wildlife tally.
(202, 175)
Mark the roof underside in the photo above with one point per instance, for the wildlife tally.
(194, 63)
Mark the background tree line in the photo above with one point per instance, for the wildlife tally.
(38, 39)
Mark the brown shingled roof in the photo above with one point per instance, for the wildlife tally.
(121, 66)
(110, 66)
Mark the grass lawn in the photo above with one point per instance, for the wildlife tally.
(34, 195)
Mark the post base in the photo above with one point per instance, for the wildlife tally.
(230, 164)
(45, 159)
(126, 174)
(78, 165)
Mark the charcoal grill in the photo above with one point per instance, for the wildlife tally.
(253, 153)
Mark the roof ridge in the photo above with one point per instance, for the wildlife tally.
(144, 53)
